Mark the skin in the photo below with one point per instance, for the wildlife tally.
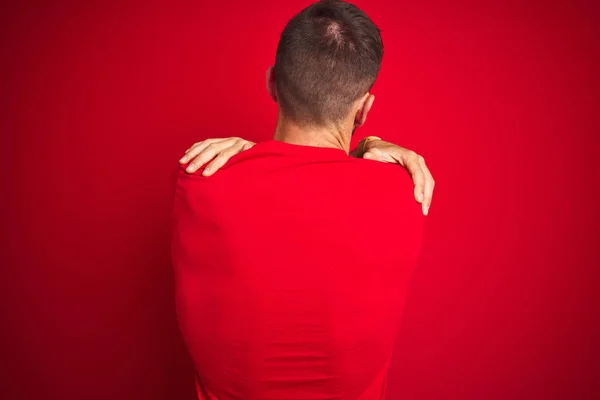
(332, 136)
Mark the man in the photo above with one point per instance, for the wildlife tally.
(292, 262)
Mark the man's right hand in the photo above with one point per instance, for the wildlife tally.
(221, 150)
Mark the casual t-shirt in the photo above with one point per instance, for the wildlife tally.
(291, 265)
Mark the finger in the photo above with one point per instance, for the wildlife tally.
(221, 159)
(196, 148)
(418, 176)
(202, 144)
(428, 186)
(204, 154)
(248, 145)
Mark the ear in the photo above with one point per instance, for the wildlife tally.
(364, 107)
(271, 86)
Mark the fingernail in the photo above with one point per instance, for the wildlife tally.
(206, 171)
(420, 197)
(182, 160)
(426, 210)
(190, 168)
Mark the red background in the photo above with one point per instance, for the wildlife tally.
(100, 100)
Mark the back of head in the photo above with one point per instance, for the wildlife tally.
(328, 56)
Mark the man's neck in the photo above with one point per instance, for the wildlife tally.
(289, 132)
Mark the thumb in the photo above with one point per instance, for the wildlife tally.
(372, 154)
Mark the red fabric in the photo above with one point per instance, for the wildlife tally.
(282, 291)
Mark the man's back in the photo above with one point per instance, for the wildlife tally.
(291, 269)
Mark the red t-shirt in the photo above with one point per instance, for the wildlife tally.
(291, 265)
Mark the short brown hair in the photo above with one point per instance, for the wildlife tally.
(328, 55)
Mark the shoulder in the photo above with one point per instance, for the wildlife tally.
(388, 187)
(383, 174)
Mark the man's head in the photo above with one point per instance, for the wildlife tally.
(327, 60)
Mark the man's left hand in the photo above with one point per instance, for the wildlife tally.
(380, 150)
